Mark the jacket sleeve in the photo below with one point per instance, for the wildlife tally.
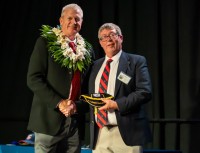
(37, 75)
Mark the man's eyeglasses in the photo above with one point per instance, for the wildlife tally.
(111, 36)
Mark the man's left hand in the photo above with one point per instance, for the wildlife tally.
(109, 104)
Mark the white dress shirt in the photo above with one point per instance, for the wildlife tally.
(111, 83)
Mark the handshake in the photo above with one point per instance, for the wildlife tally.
(67, 107)
(99, 100)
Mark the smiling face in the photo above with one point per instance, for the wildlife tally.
(110, 41)
(71, 22)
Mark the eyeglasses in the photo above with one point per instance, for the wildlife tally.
(111, 36)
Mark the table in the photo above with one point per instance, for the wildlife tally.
(26, 149)
(30, 149)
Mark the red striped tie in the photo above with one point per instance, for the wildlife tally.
(76, 80)
(102, 118)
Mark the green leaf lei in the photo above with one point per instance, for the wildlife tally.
(58, 46)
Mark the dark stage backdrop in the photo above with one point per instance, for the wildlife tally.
(166, 32)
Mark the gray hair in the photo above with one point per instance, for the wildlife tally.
(110, 26)
(72, 6)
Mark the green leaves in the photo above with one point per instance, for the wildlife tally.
(63, 55)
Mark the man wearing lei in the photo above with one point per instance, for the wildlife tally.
(57, 67)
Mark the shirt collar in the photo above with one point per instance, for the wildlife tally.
(114, 58)
(68, 40)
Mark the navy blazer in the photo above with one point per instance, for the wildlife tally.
(132, 121)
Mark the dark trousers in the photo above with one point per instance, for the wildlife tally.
(66, 141)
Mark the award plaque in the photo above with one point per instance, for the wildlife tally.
(95, 98)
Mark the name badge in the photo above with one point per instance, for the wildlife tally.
(124, 77)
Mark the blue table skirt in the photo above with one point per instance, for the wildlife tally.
(30, 149)
(26, 149)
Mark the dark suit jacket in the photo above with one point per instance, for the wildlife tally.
(132, 122)
(50, 83)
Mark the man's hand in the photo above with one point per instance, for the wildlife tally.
(109, 104)
(67, 107)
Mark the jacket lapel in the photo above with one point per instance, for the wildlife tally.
(94, 73)
(123, 65)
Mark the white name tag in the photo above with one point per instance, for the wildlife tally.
(124, 77)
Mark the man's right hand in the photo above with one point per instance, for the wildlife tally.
(67, 107)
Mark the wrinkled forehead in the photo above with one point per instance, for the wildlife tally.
(107, 31)
(107, 28)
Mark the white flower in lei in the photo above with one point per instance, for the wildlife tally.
(67, 50)
(63, 53)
